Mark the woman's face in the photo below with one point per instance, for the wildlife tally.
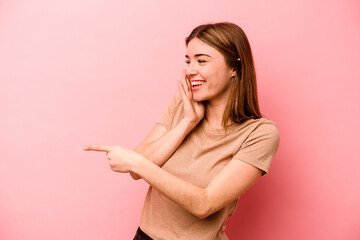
(209, 75)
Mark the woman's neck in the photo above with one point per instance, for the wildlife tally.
(214, 113)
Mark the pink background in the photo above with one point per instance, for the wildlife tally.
(76, 72)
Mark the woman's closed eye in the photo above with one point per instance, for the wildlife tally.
(199, 61)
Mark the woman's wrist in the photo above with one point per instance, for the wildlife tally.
(187, 125)
(135, 164)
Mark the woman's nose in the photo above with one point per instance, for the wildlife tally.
(191, 69)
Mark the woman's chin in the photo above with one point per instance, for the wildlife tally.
(199, 97)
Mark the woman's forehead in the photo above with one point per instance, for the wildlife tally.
(196, 47)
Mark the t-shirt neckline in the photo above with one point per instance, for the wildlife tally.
(216, 131)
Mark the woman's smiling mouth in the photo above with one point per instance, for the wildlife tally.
(196, 84)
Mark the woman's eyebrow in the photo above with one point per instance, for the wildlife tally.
(199, 55)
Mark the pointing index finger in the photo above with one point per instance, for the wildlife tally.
(99, 148)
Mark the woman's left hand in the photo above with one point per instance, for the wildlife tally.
(120, 159)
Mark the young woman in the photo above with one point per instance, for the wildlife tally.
(209, 146)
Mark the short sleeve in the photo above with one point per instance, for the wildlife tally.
(260, 146)
(170, 112)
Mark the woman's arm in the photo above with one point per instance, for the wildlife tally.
(161, 143)
(231, 182)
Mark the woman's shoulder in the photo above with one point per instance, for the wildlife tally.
(263, 127)
(259, 126)
(173, 113)
(265, 123)
(175, 102)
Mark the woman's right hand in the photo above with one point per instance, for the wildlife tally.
(194, 111)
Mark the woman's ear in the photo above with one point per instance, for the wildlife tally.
(233, 74)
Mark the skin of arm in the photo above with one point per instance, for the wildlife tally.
(201, 202)
(161, 143)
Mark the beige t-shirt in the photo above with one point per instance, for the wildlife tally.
(201, 156)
